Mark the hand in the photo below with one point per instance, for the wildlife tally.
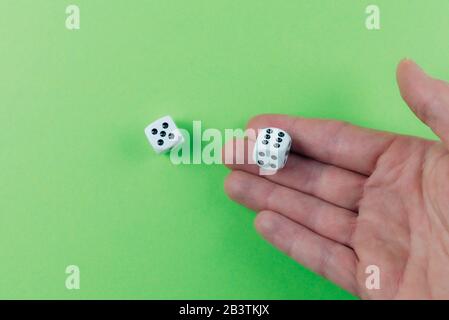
(351, 197)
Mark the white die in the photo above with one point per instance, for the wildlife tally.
(272, 148)
(163, 134)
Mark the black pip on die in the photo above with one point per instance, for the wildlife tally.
(163, 134)
(272, 148)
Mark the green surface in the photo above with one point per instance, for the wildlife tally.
(79, 182)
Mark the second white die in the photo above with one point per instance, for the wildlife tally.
(272, 148)
(163, 134)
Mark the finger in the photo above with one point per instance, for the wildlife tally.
(326, 257)
(259, 194)
(329, 141)
(427, 97)
(338, 186)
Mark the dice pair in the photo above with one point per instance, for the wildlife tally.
(163, 134)
(272, 149)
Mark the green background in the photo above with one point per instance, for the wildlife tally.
(79, 183)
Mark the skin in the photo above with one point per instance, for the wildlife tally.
(351, 197)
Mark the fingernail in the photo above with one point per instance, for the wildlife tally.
(406, 59)
(412, 62)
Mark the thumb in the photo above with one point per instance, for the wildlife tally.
(427, 97)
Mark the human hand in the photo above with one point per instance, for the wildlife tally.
(351, 197)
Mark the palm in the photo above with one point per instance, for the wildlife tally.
(350, 198)
(400, 224)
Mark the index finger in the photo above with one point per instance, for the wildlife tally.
(334, 142)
